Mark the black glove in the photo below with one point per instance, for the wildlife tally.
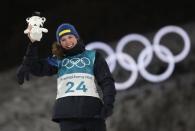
(106, 112)
(23, 73)
(24, 70)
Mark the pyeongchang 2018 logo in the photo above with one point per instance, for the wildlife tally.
(127, 62)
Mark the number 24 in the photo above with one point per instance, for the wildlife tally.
(81, 86)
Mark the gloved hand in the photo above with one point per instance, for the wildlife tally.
(106, 112)
(23, 73)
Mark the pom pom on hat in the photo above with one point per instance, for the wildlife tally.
(65, 29)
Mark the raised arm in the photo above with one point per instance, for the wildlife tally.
(39, 67)
(33, 65)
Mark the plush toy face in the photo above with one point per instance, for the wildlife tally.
(36, 21)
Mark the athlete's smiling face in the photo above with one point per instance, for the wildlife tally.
(68, 41)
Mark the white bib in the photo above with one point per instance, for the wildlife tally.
(76, 84)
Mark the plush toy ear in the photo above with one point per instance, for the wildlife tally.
(43, 19)
(27, 19)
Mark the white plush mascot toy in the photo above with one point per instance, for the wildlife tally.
(36, 22)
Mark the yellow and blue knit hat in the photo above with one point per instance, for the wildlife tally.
(65, 29)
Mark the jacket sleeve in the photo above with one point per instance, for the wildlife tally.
(38, 67)
(105, 81)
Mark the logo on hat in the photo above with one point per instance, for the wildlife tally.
(64, 32)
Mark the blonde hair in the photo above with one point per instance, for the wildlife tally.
(57, 50)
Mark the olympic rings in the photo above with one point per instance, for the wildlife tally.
(145, 57)
(79, 62)
(107, 49)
